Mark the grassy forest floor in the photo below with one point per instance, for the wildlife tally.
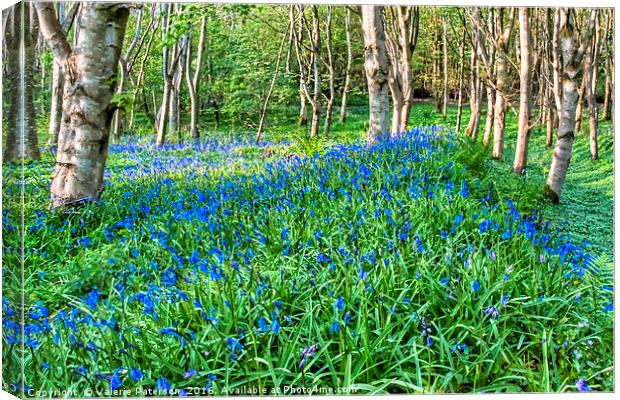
(418, 265)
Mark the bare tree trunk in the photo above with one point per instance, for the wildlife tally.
(525, 94)
(56, 106)
(501, 76)
(459, 112)
(474, 94)
(401, 39)
(193, 82)
(298, 43)
(119, 116)
(376, 67)
(347, 71)
(22, 143)
(590, 77)
(608, 89)
(444, 24)
(571, 71)
(168, 66)
(330, 71)
(89, 68)
(66, 20)
(579, 112)
(316, 94)
(263, 114)
(150, 31)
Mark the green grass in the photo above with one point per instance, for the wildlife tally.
(388, 208)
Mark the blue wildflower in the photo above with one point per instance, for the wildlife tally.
(116, 381)
(339, 304)
(135, 374)
(190, 372)
(582, 386)
(163, 384)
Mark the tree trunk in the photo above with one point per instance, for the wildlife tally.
(474, 95)
(608, 90)
(162, 115)
(138, 89)
(488, 125)
(89, 70)
(316, 93)
(525, 94)
(298, 41)
(400, 42)
(56, 106)
(444, 108)
(21, 137)
(502, 86)
(571, 71)
(119, 115)
(330, 70)
(590, 77)
(263, 114)
(459, 112)
(193, 82)
(376, 67)
(579, 110)
(347, 71)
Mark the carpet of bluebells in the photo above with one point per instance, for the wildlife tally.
(223, 268)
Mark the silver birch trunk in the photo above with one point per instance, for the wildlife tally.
(525, 94)
(89, 68)
(376, 67)
(571, 57)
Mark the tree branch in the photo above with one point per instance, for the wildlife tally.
(52, 31)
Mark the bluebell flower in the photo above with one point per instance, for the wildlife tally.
(464, 192)
(339, 304)
(347, 318)
(494, 311)
(115, 382)
(582, 386)
(163, 384)
(444, 281)
(135, 374)
(476, 286)
(190, 372)
(335, 327)
(262, 324)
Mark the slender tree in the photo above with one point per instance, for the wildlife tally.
(525, 94)
(263, 114)
(90, 72)
(193, 81)
(401, 39)
(475, 90)
(329, 104)
(502, 85)
(347, 72)
(590, 77)
(459, 111)
(444, 34)
(119, 116)
(66, 20)
(608, 65)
